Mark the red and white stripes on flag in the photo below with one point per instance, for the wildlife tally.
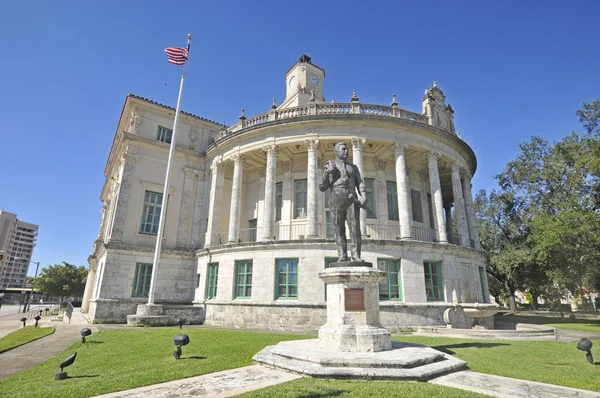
(177, 55)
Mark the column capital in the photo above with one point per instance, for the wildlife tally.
(455, 166)
(217, 166)
(400, 147)
(432, 155)
(271, 150)
(129, 159)
(357, 143)
(190, 172)
(238, 159)
(311, 144)
(380, 164)
(466, 175)
(287, 166)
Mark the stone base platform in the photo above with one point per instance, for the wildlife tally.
(164, 315)
(403, 362)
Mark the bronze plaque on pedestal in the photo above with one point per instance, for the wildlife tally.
(354, 299)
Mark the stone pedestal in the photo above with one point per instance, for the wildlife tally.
(353, 323)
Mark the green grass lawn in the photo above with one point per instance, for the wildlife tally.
(306, 387)
(582, 324)
(543, 361)
(123, 359)
(23, 336)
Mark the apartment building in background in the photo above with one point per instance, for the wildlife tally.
(17, 241)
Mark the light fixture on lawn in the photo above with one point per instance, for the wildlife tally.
(67, 362)
(37, 319)
(84, 333)
(23, 320)
(180, 340)
(586, 345)
(180, 322)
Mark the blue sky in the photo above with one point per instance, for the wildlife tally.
(510, 69)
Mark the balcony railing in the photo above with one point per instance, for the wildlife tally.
(299, 232)
(325, 109)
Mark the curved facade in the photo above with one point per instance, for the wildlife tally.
(248, 229)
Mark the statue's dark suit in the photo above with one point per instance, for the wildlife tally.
(344, 204)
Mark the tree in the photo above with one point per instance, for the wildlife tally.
(541, 227)
(62, 280)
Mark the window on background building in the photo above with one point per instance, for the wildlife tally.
(390, 288)
(328, 260)
(417, 208)
(278, 200)
(392, 198)
(151, 213)
(212, 277)
(371, 203)
(287, 278)
(430, 207)
(328, 221)
(482, 280)
(243, 279)
(434, 285)
(164, 134)
(141, 280)
(252, 225)
(300, 198)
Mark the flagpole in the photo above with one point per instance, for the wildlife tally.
(165, 198)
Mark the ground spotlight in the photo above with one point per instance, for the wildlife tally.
(180, 322)
(84, 333)
(180, 340)
(586, 345)
(23, 320)
(67, 362)
(37, 319)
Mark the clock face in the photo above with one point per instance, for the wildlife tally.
(292, 80)
(314, 79)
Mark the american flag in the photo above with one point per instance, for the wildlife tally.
(177, 55)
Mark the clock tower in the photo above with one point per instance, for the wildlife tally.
(304, 83)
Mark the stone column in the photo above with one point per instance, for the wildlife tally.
(269, 213)
(357, 159)
(470, 210)
(459, 207)
(436, 193)
(312, 188)
(200, 212)
(216, 196)
(260, 210)
(236, 198)
(89, 286)
(403, 192)
(449, 224)
(382, 196)
(183, 228)
(285, 225)
(122, 198)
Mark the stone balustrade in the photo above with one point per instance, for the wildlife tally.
(325, 109)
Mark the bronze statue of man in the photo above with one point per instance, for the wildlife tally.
(346, 197)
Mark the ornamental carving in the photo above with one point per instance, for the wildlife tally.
(130, 160)
(400, 147)
(380, 164)
(271, 150)
(357, 143)
(238, 159)
(217, 166)
(432, 155)
(287, 166)
(193, 137)
(311, 145)
(190, 173)
(135, 122)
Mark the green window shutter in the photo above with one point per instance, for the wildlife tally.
(141, 280)
(151, 212)
(300, 198)
(482, 280)
(371, 200)
(390, 288)
(434, 283)
(392, 198)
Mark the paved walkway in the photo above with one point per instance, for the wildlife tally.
(237, 381)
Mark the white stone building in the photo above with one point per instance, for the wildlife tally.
(247, 228)
(17, 241)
